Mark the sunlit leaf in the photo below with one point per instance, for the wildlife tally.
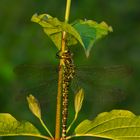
(115, 125)
(54, 28)
(34, 106)
(9, 126)
(90, 31)
(84, 32)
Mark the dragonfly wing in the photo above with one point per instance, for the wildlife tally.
(102, 82)
(104, 72)
(34, 74)
(39, 80)
(98, 76)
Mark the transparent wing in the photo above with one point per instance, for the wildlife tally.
(35, 74)
(98, 82)
(39, 80)
(105, 84)
(100, 73)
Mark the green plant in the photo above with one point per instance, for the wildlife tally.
(116, 125)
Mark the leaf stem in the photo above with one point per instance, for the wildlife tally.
(43, 124)
(71, 124)
(60, 76)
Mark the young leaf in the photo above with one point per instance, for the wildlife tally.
(79, 97)
(115, 125)
(34, 106)
(90, 31)
(9, 126)
(54, 28)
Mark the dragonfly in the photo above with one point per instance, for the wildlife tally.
(99, 83)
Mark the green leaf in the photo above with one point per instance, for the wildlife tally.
(9, 126)
(85, 32)
(115, 125)
(35, 109)
(90, 31)
(79, 97)
(34, 106)
(54, 28)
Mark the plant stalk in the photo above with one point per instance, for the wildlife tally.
(60, 76)
(45, 127)
(67, 13)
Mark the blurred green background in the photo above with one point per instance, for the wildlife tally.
(22, 41)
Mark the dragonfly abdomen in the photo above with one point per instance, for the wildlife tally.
(68, 75)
